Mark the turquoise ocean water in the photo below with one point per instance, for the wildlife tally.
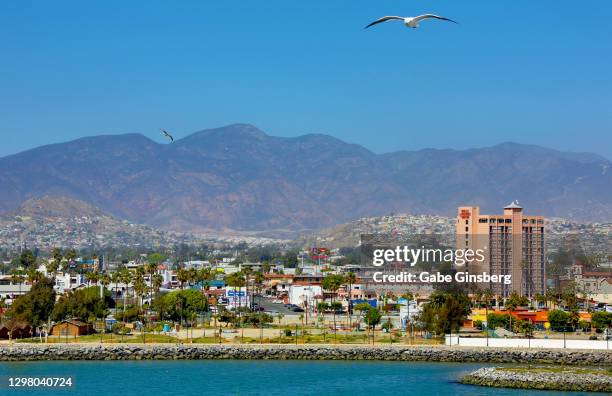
(234, 377)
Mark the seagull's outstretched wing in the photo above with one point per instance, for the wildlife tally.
(432, 16)
(384, 19)
(166, 134)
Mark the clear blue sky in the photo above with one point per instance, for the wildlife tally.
(527, 71)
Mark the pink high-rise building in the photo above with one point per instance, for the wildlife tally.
(515, 245)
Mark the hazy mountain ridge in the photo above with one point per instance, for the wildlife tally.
(239, 178)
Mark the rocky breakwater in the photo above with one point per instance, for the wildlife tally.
(545, 378)
(26, 352)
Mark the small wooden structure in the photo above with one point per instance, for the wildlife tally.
(7, 333)
(71, 328)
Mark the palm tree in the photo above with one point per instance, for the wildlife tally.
(555, 298)
(126, 278)
(248, 271)
(140, 288)
(17, 277)
(3, 306)
(540, 299)
(437, 300)
(280, 317)
(259, 280)
(92, 277)
(156, 283)
(488, 296)
(478, 298)
(511, 307)
(301, 318)
(332, 283)
(350, 278)
(182, 275)
(116, 278)
(53, 265)
(34, 276)
(235, 280)
(193, 275)
(205, 275)
(105, 280)
(151, 269)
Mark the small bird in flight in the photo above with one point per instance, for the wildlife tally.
(166, 134)
(411, 22)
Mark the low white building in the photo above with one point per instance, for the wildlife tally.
(64, 282)
(302, 294)
(10, 290)
(197, 264)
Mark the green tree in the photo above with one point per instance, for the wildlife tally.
(387, 326)
(83, 304)
(27, 259)
(601, 320)
(495, 321)
(35, 306)
(515, 300)
(156, 258)
(559, 320)
(444, 313)
(92, 277)
(524, 327)
(227, 317)
(184, 304)
(372, 317)
(332, 283)
(258, 319)
(182, 275)
(34, 276)
(350, 279)
(54, 263)
(71, 255)
(540, 299)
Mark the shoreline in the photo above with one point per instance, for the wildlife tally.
(542, 378)
(46, 352)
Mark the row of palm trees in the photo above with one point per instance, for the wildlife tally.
(193, 276)
(550, 299)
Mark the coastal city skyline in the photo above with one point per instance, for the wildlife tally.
(297, 198)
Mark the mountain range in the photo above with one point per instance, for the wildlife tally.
(239, 178)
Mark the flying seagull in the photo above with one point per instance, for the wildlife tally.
(411, 22)
(166, 134)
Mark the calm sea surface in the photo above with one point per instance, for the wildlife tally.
(234, 377)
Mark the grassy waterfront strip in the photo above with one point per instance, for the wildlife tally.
(544, 378)
(29, 352)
